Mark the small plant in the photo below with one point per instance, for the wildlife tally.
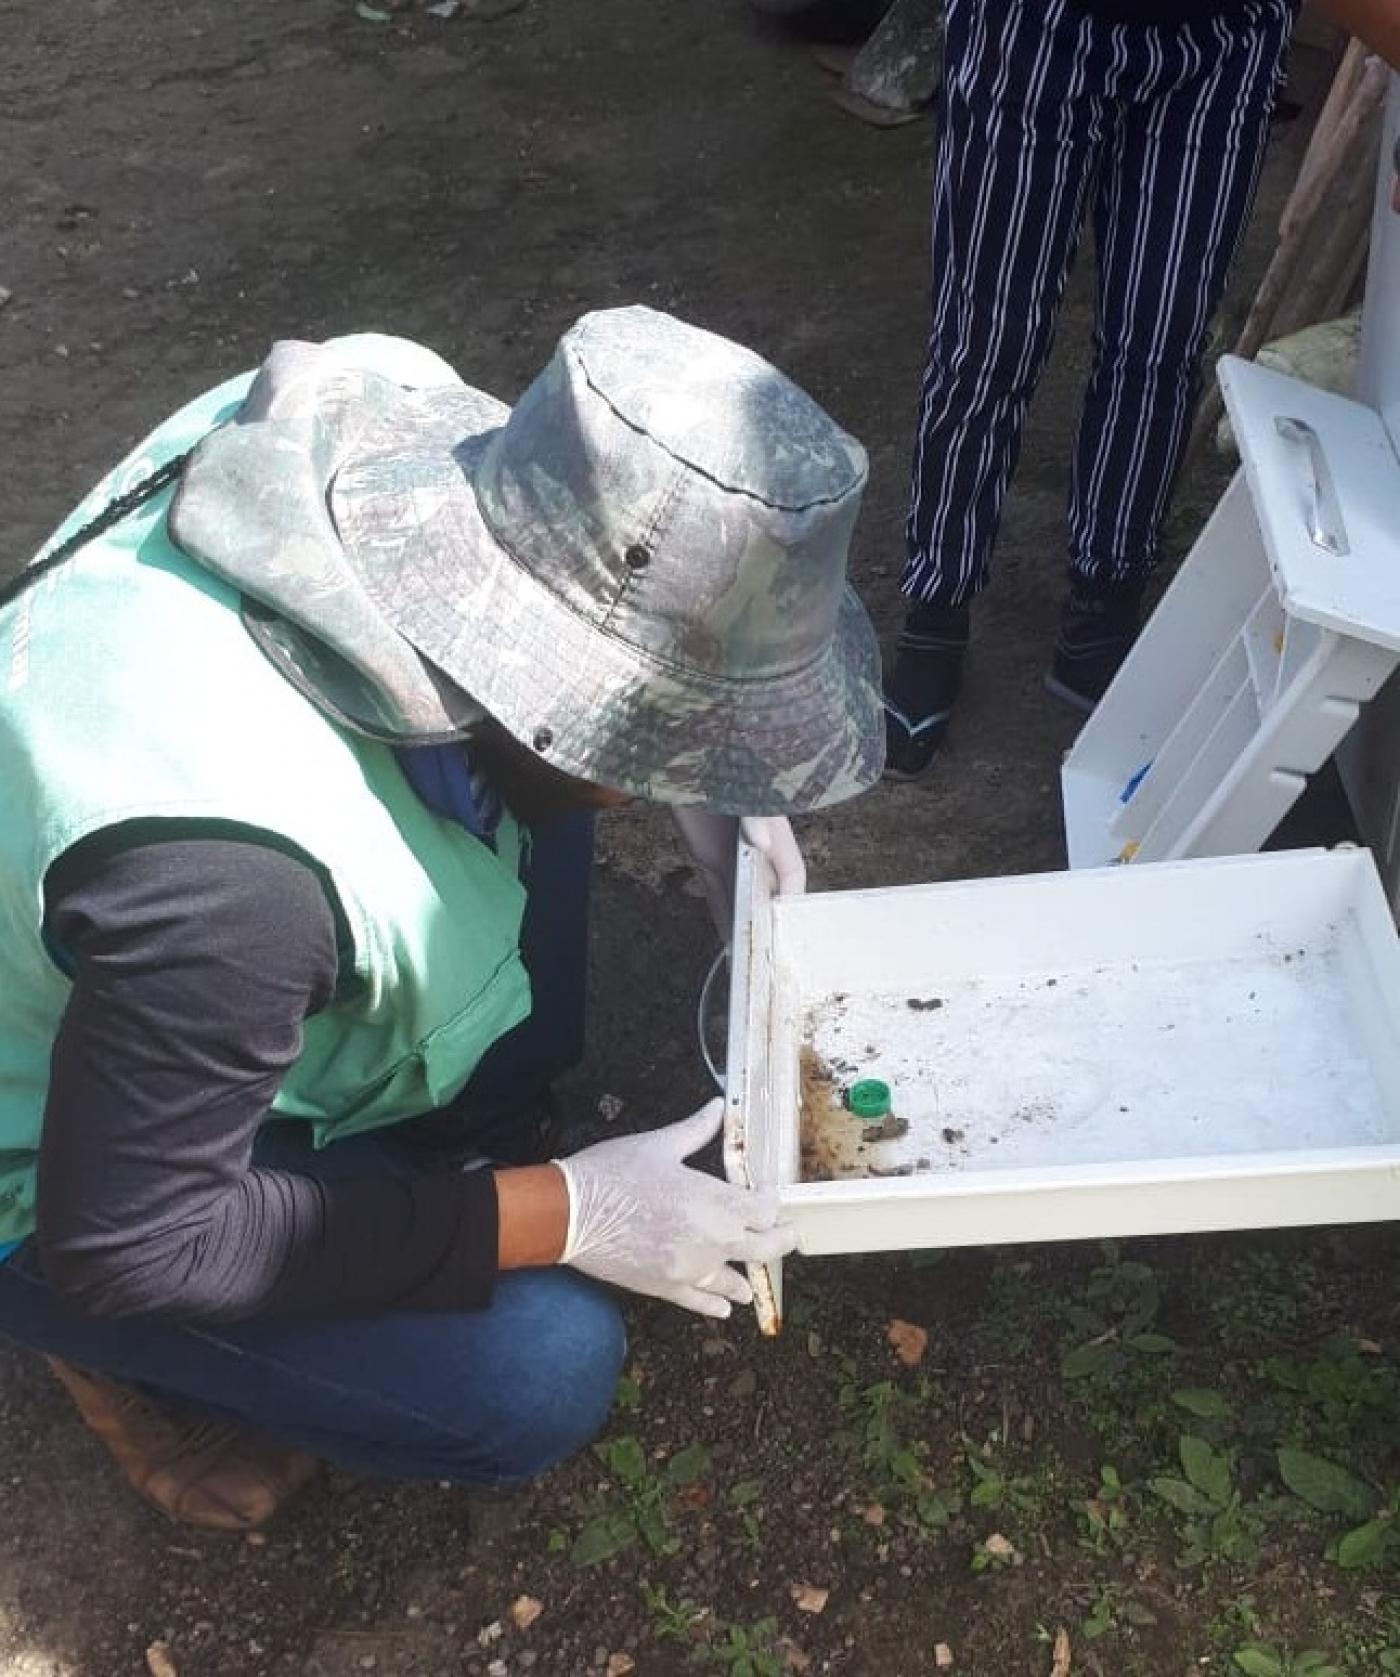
(743, 1498)
(1375, 1541)
(1112, 1610)
(1099, 1618)
(1343, 1394)
(346, 1572)
(1367, 1644)
(1217, 1526)
(746, 1653)
(1204, 1404)
(1116, 1325)
(1104, 1516)
(994, 1488)
(1322, 1485)
(1257, 1659)
(672, 1621)
(642, 1509)
(1018, 1302)
(737, 1651)
(1255, 1300)
(1237, 1617)
(883, 1416)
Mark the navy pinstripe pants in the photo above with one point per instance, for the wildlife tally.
(1046, 112)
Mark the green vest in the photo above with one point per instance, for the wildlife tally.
(129, 689)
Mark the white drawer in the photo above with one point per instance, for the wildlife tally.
(1211, 1044)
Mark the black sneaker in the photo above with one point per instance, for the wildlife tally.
(910, 747)
(923, 687)
(1097, 632)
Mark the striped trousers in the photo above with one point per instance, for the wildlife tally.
(1047, 113)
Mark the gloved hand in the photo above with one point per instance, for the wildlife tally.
(712, 841)
(641, 1219)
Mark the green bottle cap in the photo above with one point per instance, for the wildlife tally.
(869, 1099)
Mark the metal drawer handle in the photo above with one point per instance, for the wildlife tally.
(1325, 525)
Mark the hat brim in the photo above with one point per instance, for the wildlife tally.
(591, 704)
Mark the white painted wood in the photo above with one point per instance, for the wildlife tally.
(1357, 594)
(1187, 668)
(1197, 1045)
(752, 1139)
(1260, 657)
(1184, 1197)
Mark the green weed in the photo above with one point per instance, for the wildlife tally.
(1104, 1517)
(1338, 1395)
(1237, 1617)
(1114, 1609)
(737, 1650)
(994, 1488)
(1368, 1642)
(1328, 1489)
(1255, 1298)
(1217, 1526)
(672, 1621)
(884, 1419)
(1005, 1329)
(744, 1499)
(1257, 1659)
(751, 1652)
(641, 1508)
(1116, 1322)
(1116, 1363)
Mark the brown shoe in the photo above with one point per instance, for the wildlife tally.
(196, 1469)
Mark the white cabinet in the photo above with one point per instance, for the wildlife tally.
(1282, 623)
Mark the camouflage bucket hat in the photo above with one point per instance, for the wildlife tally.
(640, 572)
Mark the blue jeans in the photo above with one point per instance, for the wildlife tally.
(482, 1397)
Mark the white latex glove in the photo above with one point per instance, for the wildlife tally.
(712, 841)
(641, 1219)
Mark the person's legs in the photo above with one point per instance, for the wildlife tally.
(1019, 121)
(481, 1397)
(484, 1397)
(1178, 181)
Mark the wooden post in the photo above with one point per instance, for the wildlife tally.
(1340, 159)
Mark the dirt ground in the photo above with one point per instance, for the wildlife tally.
(184, 181)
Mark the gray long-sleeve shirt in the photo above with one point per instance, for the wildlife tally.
(195, 962)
